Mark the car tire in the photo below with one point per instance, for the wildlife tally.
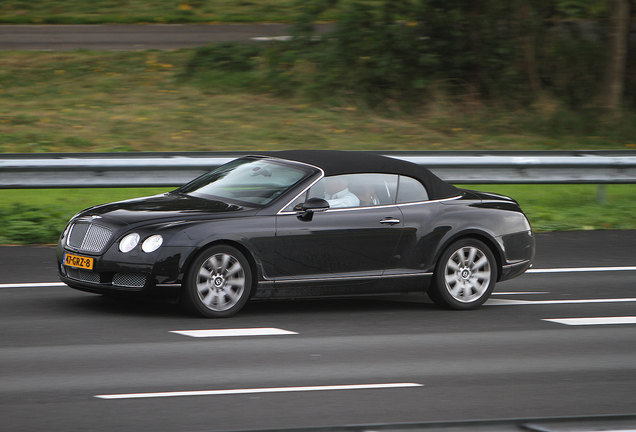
(465, 276)
(218, 283)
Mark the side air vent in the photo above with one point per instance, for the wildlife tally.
(131, 280)
(83, 275)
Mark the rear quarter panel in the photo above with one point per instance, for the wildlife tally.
(432, 226)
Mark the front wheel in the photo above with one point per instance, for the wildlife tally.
(465, 275)
(218, 283)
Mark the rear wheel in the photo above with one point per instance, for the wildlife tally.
(218, 283)
(465, 275)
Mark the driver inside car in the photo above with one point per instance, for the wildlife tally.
(337, 193)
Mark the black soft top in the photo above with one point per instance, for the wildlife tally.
(335, 162)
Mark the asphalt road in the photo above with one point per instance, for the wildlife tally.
(64, 353)
(72, 361)
(117, 37)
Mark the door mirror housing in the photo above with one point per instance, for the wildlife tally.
(315, 205)
(311, 206)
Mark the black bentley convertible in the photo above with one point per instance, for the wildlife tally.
(301, 223)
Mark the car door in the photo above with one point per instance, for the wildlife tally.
(422, 232)
(352, 241)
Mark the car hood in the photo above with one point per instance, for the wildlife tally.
(165, 207)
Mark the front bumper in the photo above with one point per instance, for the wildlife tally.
(134, 272)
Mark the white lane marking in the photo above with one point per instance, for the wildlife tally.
(594, 321)
(520, 292)
(258, 390)
(272, 38)
(581, 269)
(234, 332)
(504, 302)
(32, 285)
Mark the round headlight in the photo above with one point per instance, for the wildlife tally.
(152, 243)
(129, 242)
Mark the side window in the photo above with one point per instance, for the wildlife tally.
(336, 191)
(296, 203)
(352, 190)
(411, 190)
(374, 189)
(356, 190)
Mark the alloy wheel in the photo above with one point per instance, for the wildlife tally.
(467, 274)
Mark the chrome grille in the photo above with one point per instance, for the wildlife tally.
(77, 234)
(133, 280)
(89, 237)
(83, 275)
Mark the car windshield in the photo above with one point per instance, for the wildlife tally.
(247, 181)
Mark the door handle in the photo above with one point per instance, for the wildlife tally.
(389, 221)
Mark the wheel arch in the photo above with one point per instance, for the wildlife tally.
(482, 237)
(254, 267)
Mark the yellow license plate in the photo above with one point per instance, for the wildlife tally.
(78, 261)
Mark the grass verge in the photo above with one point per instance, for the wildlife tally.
(39, 216)
(158, 11)
(144, 101)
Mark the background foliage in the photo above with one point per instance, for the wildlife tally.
(483, 58)
(406, 51)
(393, 74)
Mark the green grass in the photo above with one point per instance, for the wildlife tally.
(39, 216)
(144, 11)
(572, 207)
(143, 101)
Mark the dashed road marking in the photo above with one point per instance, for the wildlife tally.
(272, 38)
(581, 269)
(594, 321)
(520, 292)
(33, 285)
(505, 302)
(234, 332)
(257, 390)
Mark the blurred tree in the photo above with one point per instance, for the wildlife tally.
(527, 33)
(617, 46)
(500, 51)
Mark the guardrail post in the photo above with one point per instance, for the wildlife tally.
(600, 193)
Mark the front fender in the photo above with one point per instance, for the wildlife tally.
(255, 237)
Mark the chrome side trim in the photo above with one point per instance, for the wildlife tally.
(515, 264)
(405, 275)
(337, 210)
(431, 201)
(328, 279)
(344, 279)
(296, 213)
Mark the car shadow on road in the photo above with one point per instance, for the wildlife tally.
(105, 305)
(359, 304)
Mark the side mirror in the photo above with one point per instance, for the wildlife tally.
(311, 206)
(315, 205)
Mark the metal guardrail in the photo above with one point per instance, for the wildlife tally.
(94, 170)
